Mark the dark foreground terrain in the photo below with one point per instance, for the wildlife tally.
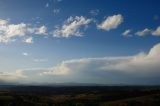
(79, 96)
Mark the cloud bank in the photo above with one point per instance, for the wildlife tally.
(126, 69)
(12, 77)
(142, 68)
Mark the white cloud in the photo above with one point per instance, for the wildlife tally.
(10, 32)
(111, 22)
(71, 27)
(59, 70)
(147, 31)
(42, 30)
(156, 32)
(3, 22)
(12, 76)
(142, 65)
(16, 30)
(127, 33)
(144, 32)
(25, 54)
(29, 40)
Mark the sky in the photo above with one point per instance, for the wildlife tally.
(80, 41)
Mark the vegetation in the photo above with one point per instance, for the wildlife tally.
(79, 96)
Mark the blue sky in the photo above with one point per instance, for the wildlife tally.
(80, 41)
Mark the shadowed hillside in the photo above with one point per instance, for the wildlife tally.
(79, 96)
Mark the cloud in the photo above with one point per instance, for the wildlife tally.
(41, 31)
(10, 32)
(144, 32)
(156, 32)
(143, 66)
(56, 11)
(126, 33)
(58, 70)
(147, 31)
(3, 22)
(40, 60)
(25, 54)
(47, 5)
(94, 12)
(111, 22)
(71, 27)
(29, 40)
(12, 76)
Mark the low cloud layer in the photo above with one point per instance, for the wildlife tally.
(12, 76)
(144, 66)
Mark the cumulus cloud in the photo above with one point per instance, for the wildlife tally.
(126, 33)
(29, 40)
(144, 32)
(111, 22)
(71, 27)
(9, 32)
(41, 30)
(147, 31)
(12, 76)
(156, 32)
(104, 69)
